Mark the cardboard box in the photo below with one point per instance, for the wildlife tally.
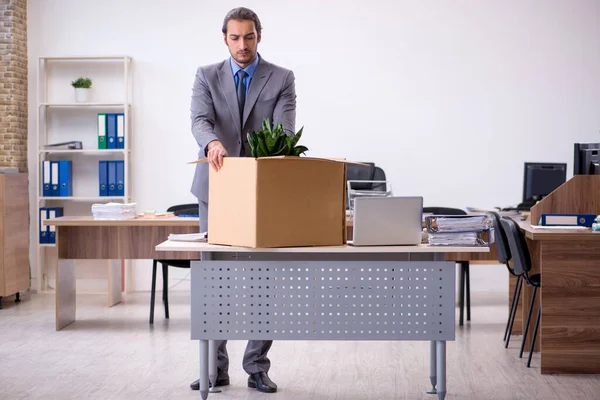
(277, 202)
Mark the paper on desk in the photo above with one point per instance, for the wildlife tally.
(457, 223)
(114, 211)
(188, 237)
(559, 227)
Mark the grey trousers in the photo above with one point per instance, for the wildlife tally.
(255, 356)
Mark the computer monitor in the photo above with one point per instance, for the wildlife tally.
(540, 179)
(586, 159)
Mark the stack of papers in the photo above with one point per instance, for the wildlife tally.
(460, 230)
(455, 223)
(461, 239)
(188, 237)
(114, 211)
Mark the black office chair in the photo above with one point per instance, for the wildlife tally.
(504, 256)
(181, 209)
(465, 278)
(522, 266)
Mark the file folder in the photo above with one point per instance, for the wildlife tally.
(103, 178)
(58, 211)
(46, 170)
(112, 178)
(44, 232)
(567, 220)
(120, 166)
(120, 131)
(65, 177)
(53, 212)
(54, 179)
(111, 131)
(51, 228)
(101, 130)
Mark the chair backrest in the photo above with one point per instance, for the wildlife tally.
(501, 242)
(187, 209)
(443, 211)
(357, 172)
(518, 246)
(368, 172)
(379, 175)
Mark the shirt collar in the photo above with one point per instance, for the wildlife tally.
(249, 69)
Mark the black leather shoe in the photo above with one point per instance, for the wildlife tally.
(220, 382)
(261, 382)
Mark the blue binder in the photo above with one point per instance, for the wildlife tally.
(46, 171)
(112, 178)
(120, 178)
(103, 178)
(44, 231)
(53, 212)
(65, 178)
(567, 220)
(111, 131)
(54, 188)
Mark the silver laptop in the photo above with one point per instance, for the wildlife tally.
(383, 221)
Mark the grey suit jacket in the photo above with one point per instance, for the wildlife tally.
(215, 113)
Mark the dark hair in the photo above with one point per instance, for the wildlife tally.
(242, 14)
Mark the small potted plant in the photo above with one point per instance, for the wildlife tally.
(268, 142)
(83, 88)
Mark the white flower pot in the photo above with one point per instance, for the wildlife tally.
(82, 95)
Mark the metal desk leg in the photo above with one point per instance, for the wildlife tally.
(65, 293)
(212, 366)
(441, 369)
(204, 369)
(461, 301)
(432, 367)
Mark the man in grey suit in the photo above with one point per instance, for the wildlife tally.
(230, 99)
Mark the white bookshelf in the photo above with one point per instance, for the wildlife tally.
(61, 119)
(84, 151)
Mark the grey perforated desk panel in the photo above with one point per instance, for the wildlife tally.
(322, 293)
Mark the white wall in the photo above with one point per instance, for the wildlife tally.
(450, 98)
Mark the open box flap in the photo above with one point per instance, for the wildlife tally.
(342, 160)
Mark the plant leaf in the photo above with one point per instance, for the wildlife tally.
(297, 137)
(262, 146)
(296, 151)
(253, 143)
(267, 125)
(280, 146)
(270, 141)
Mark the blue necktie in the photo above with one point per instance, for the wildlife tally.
(241, 93)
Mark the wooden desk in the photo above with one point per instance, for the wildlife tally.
(87, 238)
(340, 281)
(569, 332)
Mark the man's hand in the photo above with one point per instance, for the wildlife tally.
(215, 154)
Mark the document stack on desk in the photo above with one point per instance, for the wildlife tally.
(114, 211)
(459, 230)
(188, 237)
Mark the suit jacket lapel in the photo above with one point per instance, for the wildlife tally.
(228, 88)
(259, 80)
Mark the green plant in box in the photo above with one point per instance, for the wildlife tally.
(84, 83)
(268, 142)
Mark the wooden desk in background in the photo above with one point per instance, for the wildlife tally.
(85, 238)
(569, 332)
